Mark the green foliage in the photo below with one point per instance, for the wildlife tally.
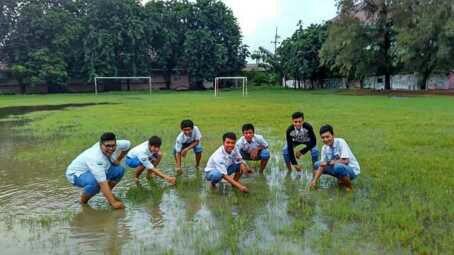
(54, 41)
(347, 50)
(300, 53)
(425, 36)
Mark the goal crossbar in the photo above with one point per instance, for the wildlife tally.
(122, 78)
(217, 79)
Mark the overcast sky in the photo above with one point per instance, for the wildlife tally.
(259, 18)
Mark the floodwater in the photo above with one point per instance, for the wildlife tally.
(39, 212)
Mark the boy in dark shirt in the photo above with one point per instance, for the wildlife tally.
(298, 133)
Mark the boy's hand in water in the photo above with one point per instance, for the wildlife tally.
(117, 205)
(243, 189)
(313, 184)
(172, 180)
(298, 154)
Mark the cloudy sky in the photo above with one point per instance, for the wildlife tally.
(259, 18)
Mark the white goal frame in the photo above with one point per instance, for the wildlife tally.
(217, 79)
(122, 78)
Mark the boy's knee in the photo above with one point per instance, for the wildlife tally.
(214, 176)
(265, 154)
(198, 149)
(91, 189)
(116, 173)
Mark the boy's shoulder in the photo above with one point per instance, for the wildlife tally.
(307, 125)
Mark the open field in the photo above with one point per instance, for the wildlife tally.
(402, 201)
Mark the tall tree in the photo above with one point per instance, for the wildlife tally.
(348, 50)
(426, 36)
(40, 39)
(300, 53)
(376, 17)
(114, 41)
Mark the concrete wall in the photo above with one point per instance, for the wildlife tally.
(410, 82)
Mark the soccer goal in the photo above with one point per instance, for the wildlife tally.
(123, 78)
(218, 83)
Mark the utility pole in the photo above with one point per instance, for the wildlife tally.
(276, 41)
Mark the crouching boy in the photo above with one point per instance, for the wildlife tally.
(225, 162)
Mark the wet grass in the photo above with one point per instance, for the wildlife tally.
(402, 201)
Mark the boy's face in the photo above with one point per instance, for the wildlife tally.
(327, 138)
(187, 131)
(248, 134)
(108, 147)
(154, 148)
(298, 122)
(229, 145)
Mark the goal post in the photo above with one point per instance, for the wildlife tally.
(242, 78)
(123, 78)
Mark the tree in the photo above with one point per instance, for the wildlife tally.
(202, 55)
(300, 53)
(114, 41)
(348, 50)
(369, 20)
(38, 42)
(426, 36)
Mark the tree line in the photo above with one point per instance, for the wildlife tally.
(370, 38)
(57, 41)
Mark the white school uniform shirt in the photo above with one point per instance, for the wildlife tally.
(257, 140)
(144, 155)
(221, 160)
(340, 150)
(182, 138)
(95, 161)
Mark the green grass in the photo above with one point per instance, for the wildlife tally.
(403, 199)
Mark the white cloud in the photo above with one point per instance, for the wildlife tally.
(251, 13)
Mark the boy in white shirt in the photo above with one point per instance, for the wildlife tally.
(253, 146)
(98, 169)
(189, 138)
(226, 161)
(337, 160)
(147, 156)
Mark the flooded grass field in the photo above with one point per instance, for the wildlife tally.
(402, 202)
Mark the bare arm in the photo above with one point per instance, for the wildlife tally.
(318, 173)
(178, 160)
(169, 179)
(344, 161)
(107, 192)
(120, 157)
(235, 184)
(192, 145)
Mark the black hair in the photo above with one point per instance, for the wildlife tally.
(229, 135)
(154, 141)
(297, 115)
(326, 128)
(107, 136)
(187, 124)
(248, 126)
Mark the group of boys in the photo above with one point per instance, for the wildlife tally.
(98, 168)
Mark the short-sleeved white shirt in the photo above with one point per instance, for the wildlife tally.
(144, 155)
(221, 160)
(94, 160)
(183, 139)
(257, 140)
(196, 135)
(340, 150)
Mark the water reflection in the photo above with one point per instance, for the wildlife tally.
(99, 230)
